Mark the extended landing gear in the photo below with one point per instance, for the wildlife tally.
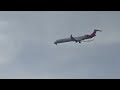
(78, 41)
(55, 43)
(72, 38)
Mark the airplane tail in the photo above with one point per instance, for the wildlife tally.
(94, 32)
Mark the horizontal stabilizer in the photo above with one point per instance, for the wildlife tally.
(97, 30)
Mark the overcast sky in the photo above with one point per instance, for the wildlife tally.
(27, 48)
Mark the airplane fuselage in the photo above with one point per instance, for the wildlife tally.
(77, 39)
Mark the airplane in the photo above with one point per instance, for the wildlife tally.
(77, 39)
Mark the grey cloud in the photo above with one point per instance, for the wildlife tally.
(27, 43)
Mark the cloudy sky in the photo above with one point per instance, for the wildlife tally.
(27, 48)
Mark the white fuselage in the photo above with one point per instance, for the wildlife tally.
(69, 39)
(77, 39)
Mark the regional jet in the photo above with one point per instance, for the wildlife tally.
(77, 39)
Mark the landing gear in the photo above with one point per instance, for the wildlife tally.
(78, 41)
(55, 43)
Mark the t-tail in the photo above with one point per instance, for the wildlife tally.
(94, 32)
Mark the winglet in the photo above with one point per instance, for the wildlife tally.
(72, 38)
